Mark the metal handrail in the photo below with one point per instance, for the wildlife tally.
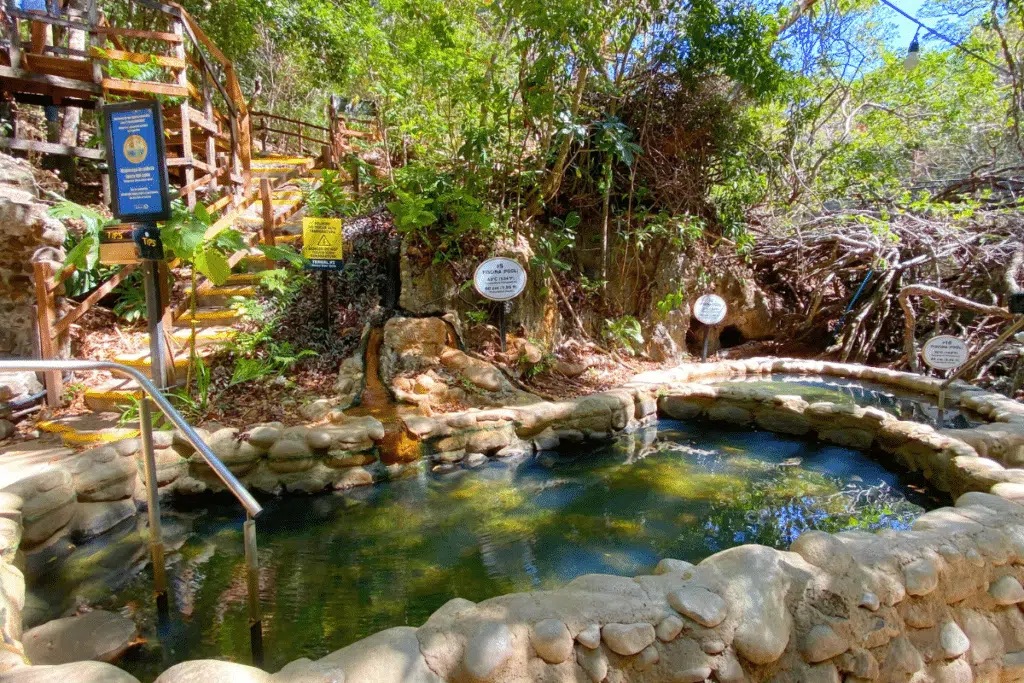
(252, 508)
(230, 480)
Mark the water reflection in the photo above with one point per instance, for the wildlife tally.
(339, 567)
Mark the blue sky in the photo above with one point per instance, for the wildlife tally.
(905, 26)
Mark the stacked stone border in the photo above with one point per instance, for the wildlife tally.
(940, 602)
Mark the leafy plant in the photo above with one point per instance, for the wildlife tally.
(276, 359)
(625, 332)
(84, 252)
(131, 300)
(478, 317)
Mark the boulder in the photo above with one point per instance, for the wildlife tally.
(699, 604)
(211, 670)
(391, 656)
(627, 639)
(489, 648)
(77, 672)
(102, 475)
(552, 641)
(93, 636)
(93, 519)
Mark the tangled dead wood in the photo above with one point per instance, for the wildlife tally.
(847, 278)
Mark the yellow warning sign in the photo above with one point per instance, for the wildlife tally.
(322, 239)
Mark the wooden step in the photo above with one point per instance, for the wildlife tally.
(206, 336)
(141, 360)
(114, 396)
(88, 429)
(244, 278)
(208, 317)
(225, 291)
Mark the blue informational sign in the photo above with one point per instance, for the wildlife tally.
(138, 169)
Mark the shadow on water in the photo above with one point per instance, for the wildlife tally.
(338, 567)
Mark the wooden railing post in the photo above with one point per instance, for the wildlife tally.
(186, 119)
(211, 139)
(267, 195)
(302, 142)
(45, 317)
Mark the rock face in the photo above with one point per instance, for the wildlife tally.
(96, 636)
(420, 367)
(28, 236)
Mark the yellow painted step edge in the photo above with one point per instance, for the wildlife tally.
(209, 315)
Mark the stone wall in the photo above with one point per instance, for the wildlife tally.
(28, 235)
(938, 603)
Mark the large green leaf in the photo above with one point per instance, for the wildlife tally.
(213, 264)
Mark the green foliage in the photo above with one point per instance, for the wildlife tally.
(548, 255)
(184, 236)
(131, 302)
(625, 332)
(329, 198)
(84, 253)
(441, 209)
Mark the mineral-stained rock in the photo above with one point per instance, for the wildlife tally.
(100, 636)
(475, 460)
(627, 639)
(552, 641)
(699, 604)
(354, 476)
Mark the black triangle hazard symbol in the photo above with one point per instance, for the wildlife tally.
(325, 241)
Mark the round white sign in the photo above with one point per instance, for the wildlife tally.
(499, 279)
(710, 309)
(945, 352)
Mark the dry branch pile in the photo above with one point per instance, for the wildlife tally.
(856, 281)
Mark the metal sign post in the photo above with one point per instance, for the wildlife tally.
(710, 310)
(323, 247)
(139, 195)
(500, 279)
(944, 352)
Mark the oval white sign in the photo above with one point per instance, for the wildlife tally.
(499, 279)
(945, 352)
(710, 309)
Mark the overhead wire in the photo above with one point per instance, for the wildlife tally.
(946, 38)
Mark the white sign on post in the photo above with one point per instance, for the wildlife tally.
(499, 279)
(945, 352)
(710, 309)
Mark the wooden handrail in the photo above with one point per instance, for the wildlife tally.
(263, 114)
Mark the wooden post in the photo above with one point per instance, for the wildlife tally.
(302, 142)
(96, 41)
(266, 194)
(45, 318)
(15, 51)
(186, 120)
(263, 125)
(236, 164)
(211, 140)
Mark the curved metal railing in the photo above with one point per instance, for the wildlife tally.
(242, 494)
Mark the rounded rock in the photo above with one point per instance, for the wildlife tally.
(822, 643)
(647, 658)
(488, 650)
(671, 566)
(1006, 590)
(590, 637)
(921, 577)
(627, 639)
(552, 641)
(700, 605)
(669, 628)
(953, 640)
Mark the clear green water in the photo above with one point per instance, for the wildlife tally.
(336, 568)
(904, 405)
